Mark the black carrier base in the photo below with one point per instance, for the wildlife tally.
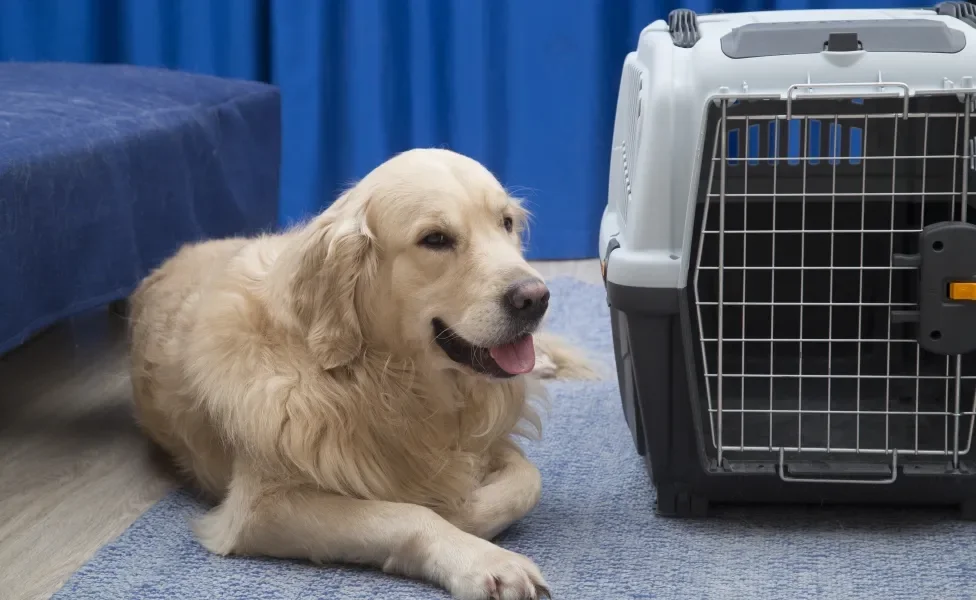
(651, 331)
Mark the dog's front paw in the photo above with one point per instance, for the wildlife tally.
(545, 367)
(556, 358)
(497, 574)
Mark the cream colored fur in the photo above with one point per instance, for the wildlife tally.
(294, 379)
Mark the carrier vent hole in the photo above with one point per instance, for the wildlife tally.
(823, 143)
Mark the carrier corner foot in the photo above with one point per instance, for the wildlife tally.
(682, 504)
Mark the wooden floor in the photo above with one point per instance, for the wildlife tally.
(74, 472)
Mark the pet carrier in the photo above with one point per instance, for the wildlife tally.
(790, 258)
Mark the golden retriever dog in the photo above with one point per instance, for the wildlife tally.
(350, 391)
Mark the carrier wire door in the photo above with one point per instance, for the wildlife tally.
(802, 292)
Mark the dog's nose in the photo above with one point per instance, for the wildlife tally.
(527, 299)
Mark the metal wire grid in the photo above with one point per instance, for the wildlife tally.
(794, 307)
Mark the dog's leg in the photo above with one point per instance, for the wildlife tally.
(404, 539)
(558, 359)
(509, 492)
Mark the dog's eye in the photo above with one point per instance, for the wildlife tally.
(508, 223)
(437, 241)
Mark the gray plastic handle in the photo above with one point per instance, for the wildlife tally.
(812, 37)
(787, 478)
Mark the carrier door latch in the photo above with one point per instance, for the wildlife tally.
(946, 266)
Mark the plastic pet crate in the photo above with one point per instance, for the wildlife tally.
(789, 256)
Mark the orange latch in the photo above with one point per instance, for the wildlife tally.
(962, 290)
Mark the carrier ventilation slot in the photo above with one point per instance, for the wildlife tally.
(829, 142)
(627, 133)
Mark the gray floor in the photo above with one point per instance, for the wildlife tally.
(74, 472)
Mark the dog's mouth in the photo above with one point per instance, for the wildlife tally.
(515, 357)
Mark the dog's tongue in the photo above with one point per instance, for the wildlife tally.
(517, 357)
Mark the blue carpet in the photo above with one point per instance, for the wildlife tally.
(594, 535)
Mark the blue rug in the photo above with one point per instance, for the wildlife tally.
(594, 535)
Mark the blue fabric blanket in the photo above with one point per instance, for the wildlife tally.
(105, 170)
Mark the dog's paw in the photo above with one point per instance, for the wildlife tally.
(545, 367)
(497, 574)
(556, 358)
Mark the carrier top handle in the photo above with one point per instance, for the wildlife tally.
(842, 42)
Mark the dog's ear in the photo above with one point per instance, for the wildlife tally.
(335, 257)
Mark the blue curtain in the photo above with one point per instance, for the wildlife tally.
(526, 86)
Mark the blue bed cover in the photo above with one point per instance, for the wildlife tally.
(105, 170)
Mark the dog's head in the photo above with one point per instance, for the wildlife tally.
(424, 255)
